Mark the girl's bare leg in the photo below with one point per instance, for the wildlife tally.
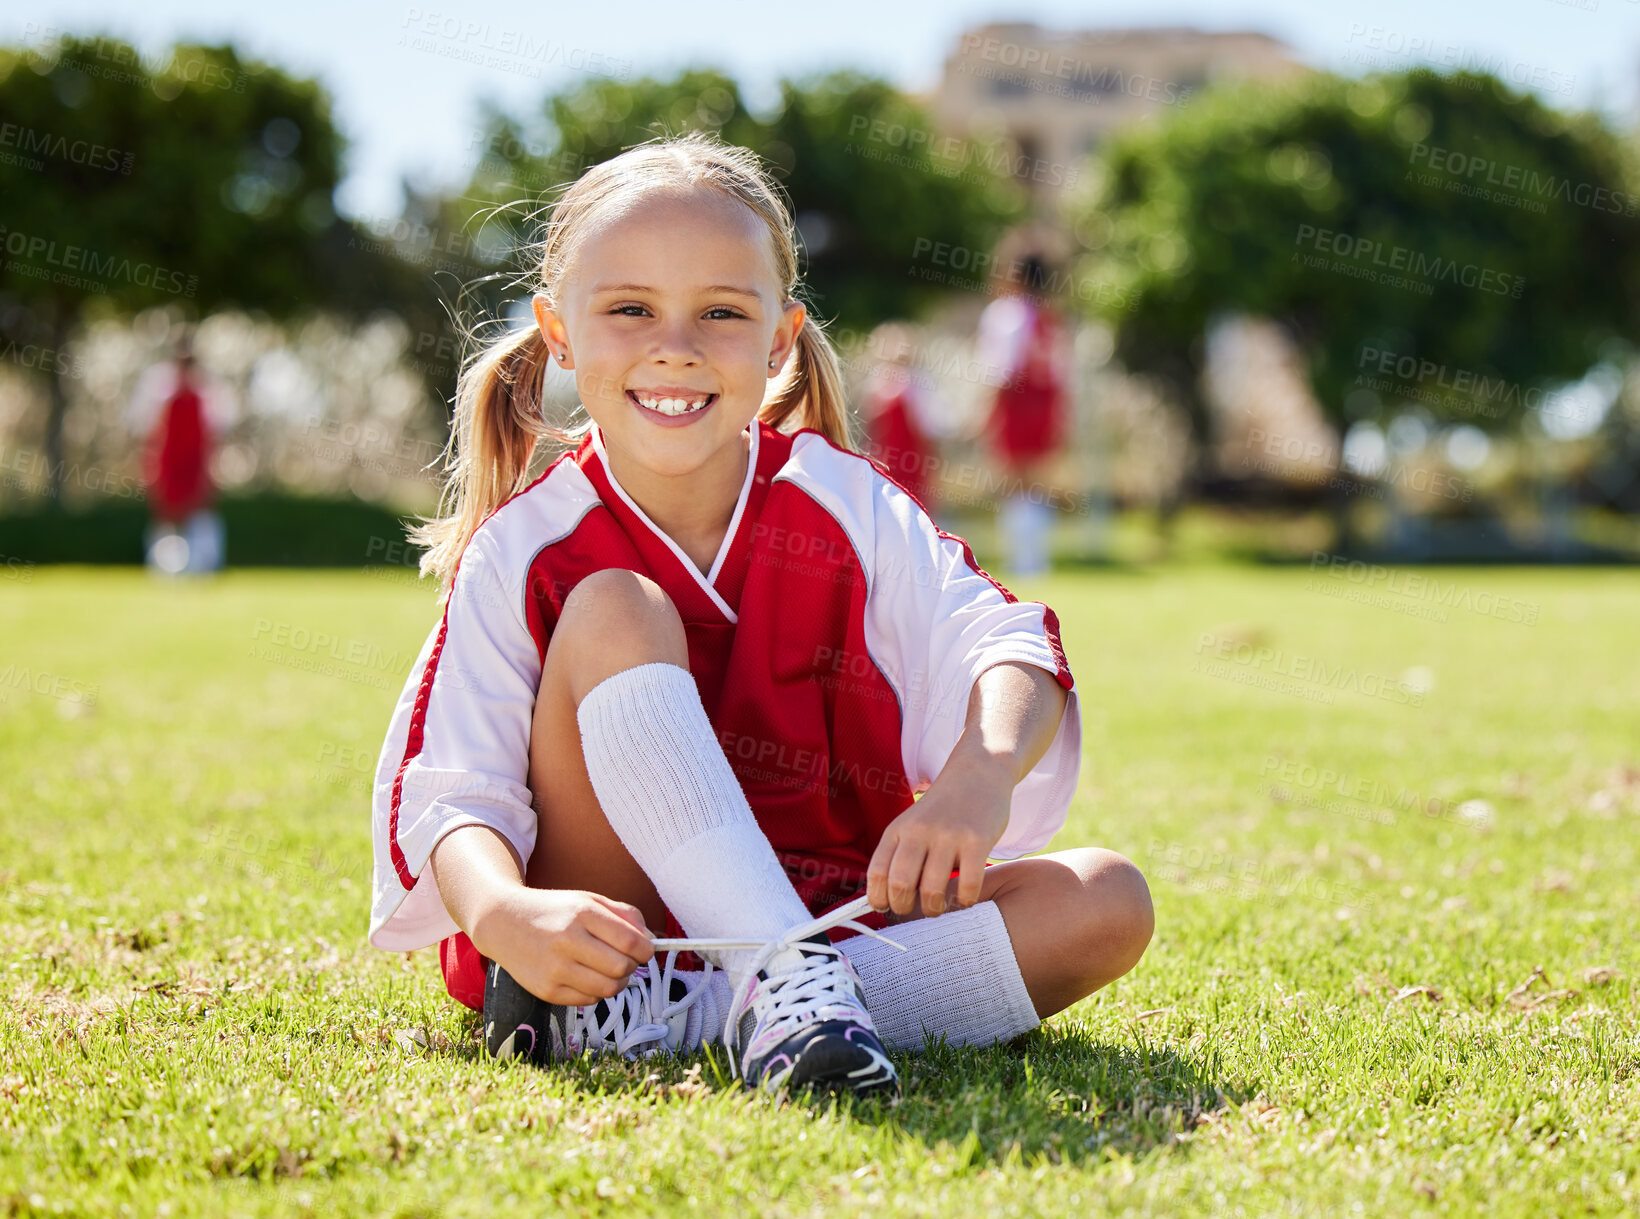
(1078, 920)
(612, 620)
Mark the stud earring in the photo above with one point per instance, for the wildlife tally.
(562, 357)
(771, 363)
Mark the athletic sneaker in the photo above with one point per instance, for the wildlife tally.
(799, 1020)
(655, 1013)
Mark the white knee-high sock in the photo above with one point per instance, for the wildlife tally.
(664, 783)
(958, 977)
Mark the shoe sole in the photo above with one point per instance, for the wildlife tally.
(837, 1064)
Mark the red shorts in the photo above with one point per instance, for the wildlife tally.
(823, 884)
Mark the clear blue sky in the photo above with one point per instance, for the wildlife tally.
(411, 111)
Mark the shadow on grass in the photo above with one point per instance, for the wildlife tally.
(1054, 1095)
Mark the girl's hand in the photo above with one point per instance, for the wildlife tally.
(566, 946)
(953, 826)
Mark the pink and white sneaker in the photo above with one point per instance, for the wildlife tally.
(799, 1018)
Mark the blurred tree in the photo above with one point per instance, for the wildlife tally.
(1511, 224)
(201, 179)
(865, 172)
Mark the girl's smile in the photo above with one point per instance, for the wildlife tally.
(671, 407)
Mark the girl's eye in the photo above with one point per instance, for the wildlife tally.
(728, 313)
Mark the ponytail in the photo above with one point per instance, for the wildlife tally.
(810, 393)
(498, 424)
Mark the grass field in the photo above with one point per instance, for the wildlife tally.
(1395, 862)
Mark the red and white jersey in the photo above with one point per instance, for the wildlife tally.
(834, 642)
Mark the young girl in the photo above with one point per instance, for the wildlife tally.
(694, 674)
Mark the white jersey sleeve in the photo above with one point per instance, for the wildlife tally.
(933, 623)
(457, 749)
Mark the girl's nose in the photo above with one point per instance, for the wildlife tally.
(676, 343)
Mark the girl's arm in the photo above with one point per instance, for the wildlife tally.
(1014, 711)
(474, 866)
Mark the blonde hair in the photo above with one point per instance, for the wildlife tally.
(498, 422)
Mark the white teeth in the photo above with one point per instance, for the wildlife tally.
(672, 406)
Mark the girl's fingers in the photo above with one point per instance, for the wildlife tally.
(904, 873)
(576, 985)
(592, 951)
(626, 910)
(620, 934)
(935, 874)
(877, 870)
(972, 881)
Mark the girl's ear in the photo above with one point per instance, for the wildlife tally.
(549, 324)
(790, 331)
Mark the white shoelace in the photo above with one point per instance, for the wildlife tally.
(802, 993)
(638, 1016)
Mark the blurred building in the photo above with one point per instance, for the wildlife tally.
(1057, 94)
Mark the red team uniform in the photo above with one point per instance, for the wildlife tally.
(898, 442)
(1028, 420)
(176, 462)
(834, 643)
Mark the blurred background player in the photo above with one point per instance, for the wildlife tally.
(177, 409)
(902, 416)
(1021, 342)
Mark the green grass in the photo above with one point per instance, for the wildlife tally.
(1374, 996)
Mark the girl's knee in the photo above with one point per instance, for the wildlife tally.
(1119, 916)
(615, 598)
(612, 620)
